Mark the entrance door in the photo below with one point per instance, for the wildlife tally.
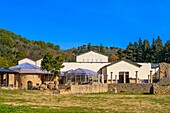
(127, 77)
(121, 77)
(29, 84)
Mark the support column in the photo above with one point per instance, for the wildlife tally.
(116, 79)
(106, 78)
(136, 77)
(2, 79)
(98, 77)
(6, 79)
(148, 78)
(124, 77)
(151, 77)
(102, 79)
(111, 77)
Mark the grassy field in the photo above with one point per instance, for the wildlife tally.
(28, 101)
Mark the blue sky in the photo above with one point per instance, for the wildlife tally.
(71, 23)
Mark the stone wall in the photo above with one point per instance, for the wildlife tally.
(94, 88)
(97, 88)
(131, 87)
(164, 70)
(24, 78)
(157, 89)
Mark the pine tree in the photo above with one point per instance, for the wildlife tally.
(146, 51)
(102, 49)
(166, 50)
(129, 52)
(135, 51)
(140, 52)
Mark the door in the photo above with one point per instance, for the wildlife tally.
(29, 84)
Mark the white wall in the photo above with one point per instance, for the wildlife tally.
(122, 66)
(38, 62)
(91, 66)
(26, 60)
(91, 57)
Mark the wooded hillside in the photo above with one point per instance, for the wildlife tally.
(14, 47)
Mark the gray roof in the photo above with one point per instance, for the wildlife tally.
(123, 59)
(28, 68)
(81, 71)
(154, 65)
(25, 66)
(3, 70)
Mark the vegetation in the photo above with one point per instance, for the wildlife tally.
(14, 47)
(142, 51)
(35, 101)
(51, 64)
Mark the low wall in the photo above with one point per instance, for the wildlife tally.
(97, 88)
(131, 87)
(157, 89)
(94, 88)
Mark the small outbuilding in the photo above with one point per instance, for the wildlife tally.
(7, 77)
(80, 76)
(30, 76)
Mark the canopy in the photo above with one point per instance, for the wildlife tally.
(25, 66)
(28, 68)
(81, 71)
(3, 70)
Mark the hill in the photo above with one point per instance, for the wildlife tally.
(14, 47)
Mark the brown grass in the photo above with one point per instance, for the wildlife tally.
(107, 102)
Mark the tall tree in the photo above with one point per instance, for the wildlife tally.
(140, 52)
(58, 64)
(102, 49)
(146, 51)
(47, 62)
(121, 53)
(166, 51)
(135, 51)
(129, 51)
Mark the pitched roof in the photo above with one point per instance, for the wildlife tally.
(123, 59)
(27, 58)
(81, 71)
(25, 66)
(28, 68)
(3, 70)
(93, 52)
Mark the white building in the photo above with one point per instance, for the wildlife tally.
(126, 71)
(26, 60)
(91, 57)
(122, 71)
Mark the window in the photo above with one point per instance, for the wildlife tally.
(87, 60)
(83, 60)
(96, 60)
(100, 60)
(91, 60)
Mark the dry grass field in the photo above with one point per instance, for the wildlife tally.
(29, 101)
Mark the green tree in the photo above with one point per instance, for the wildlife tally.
(135, 51)
(146, 51)
(47, 62)
(58, 64)
(140, 52)
(4, 63)
(129, 51)
(121, 53)
(102, 49)
(166, 51)
(89, 48)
